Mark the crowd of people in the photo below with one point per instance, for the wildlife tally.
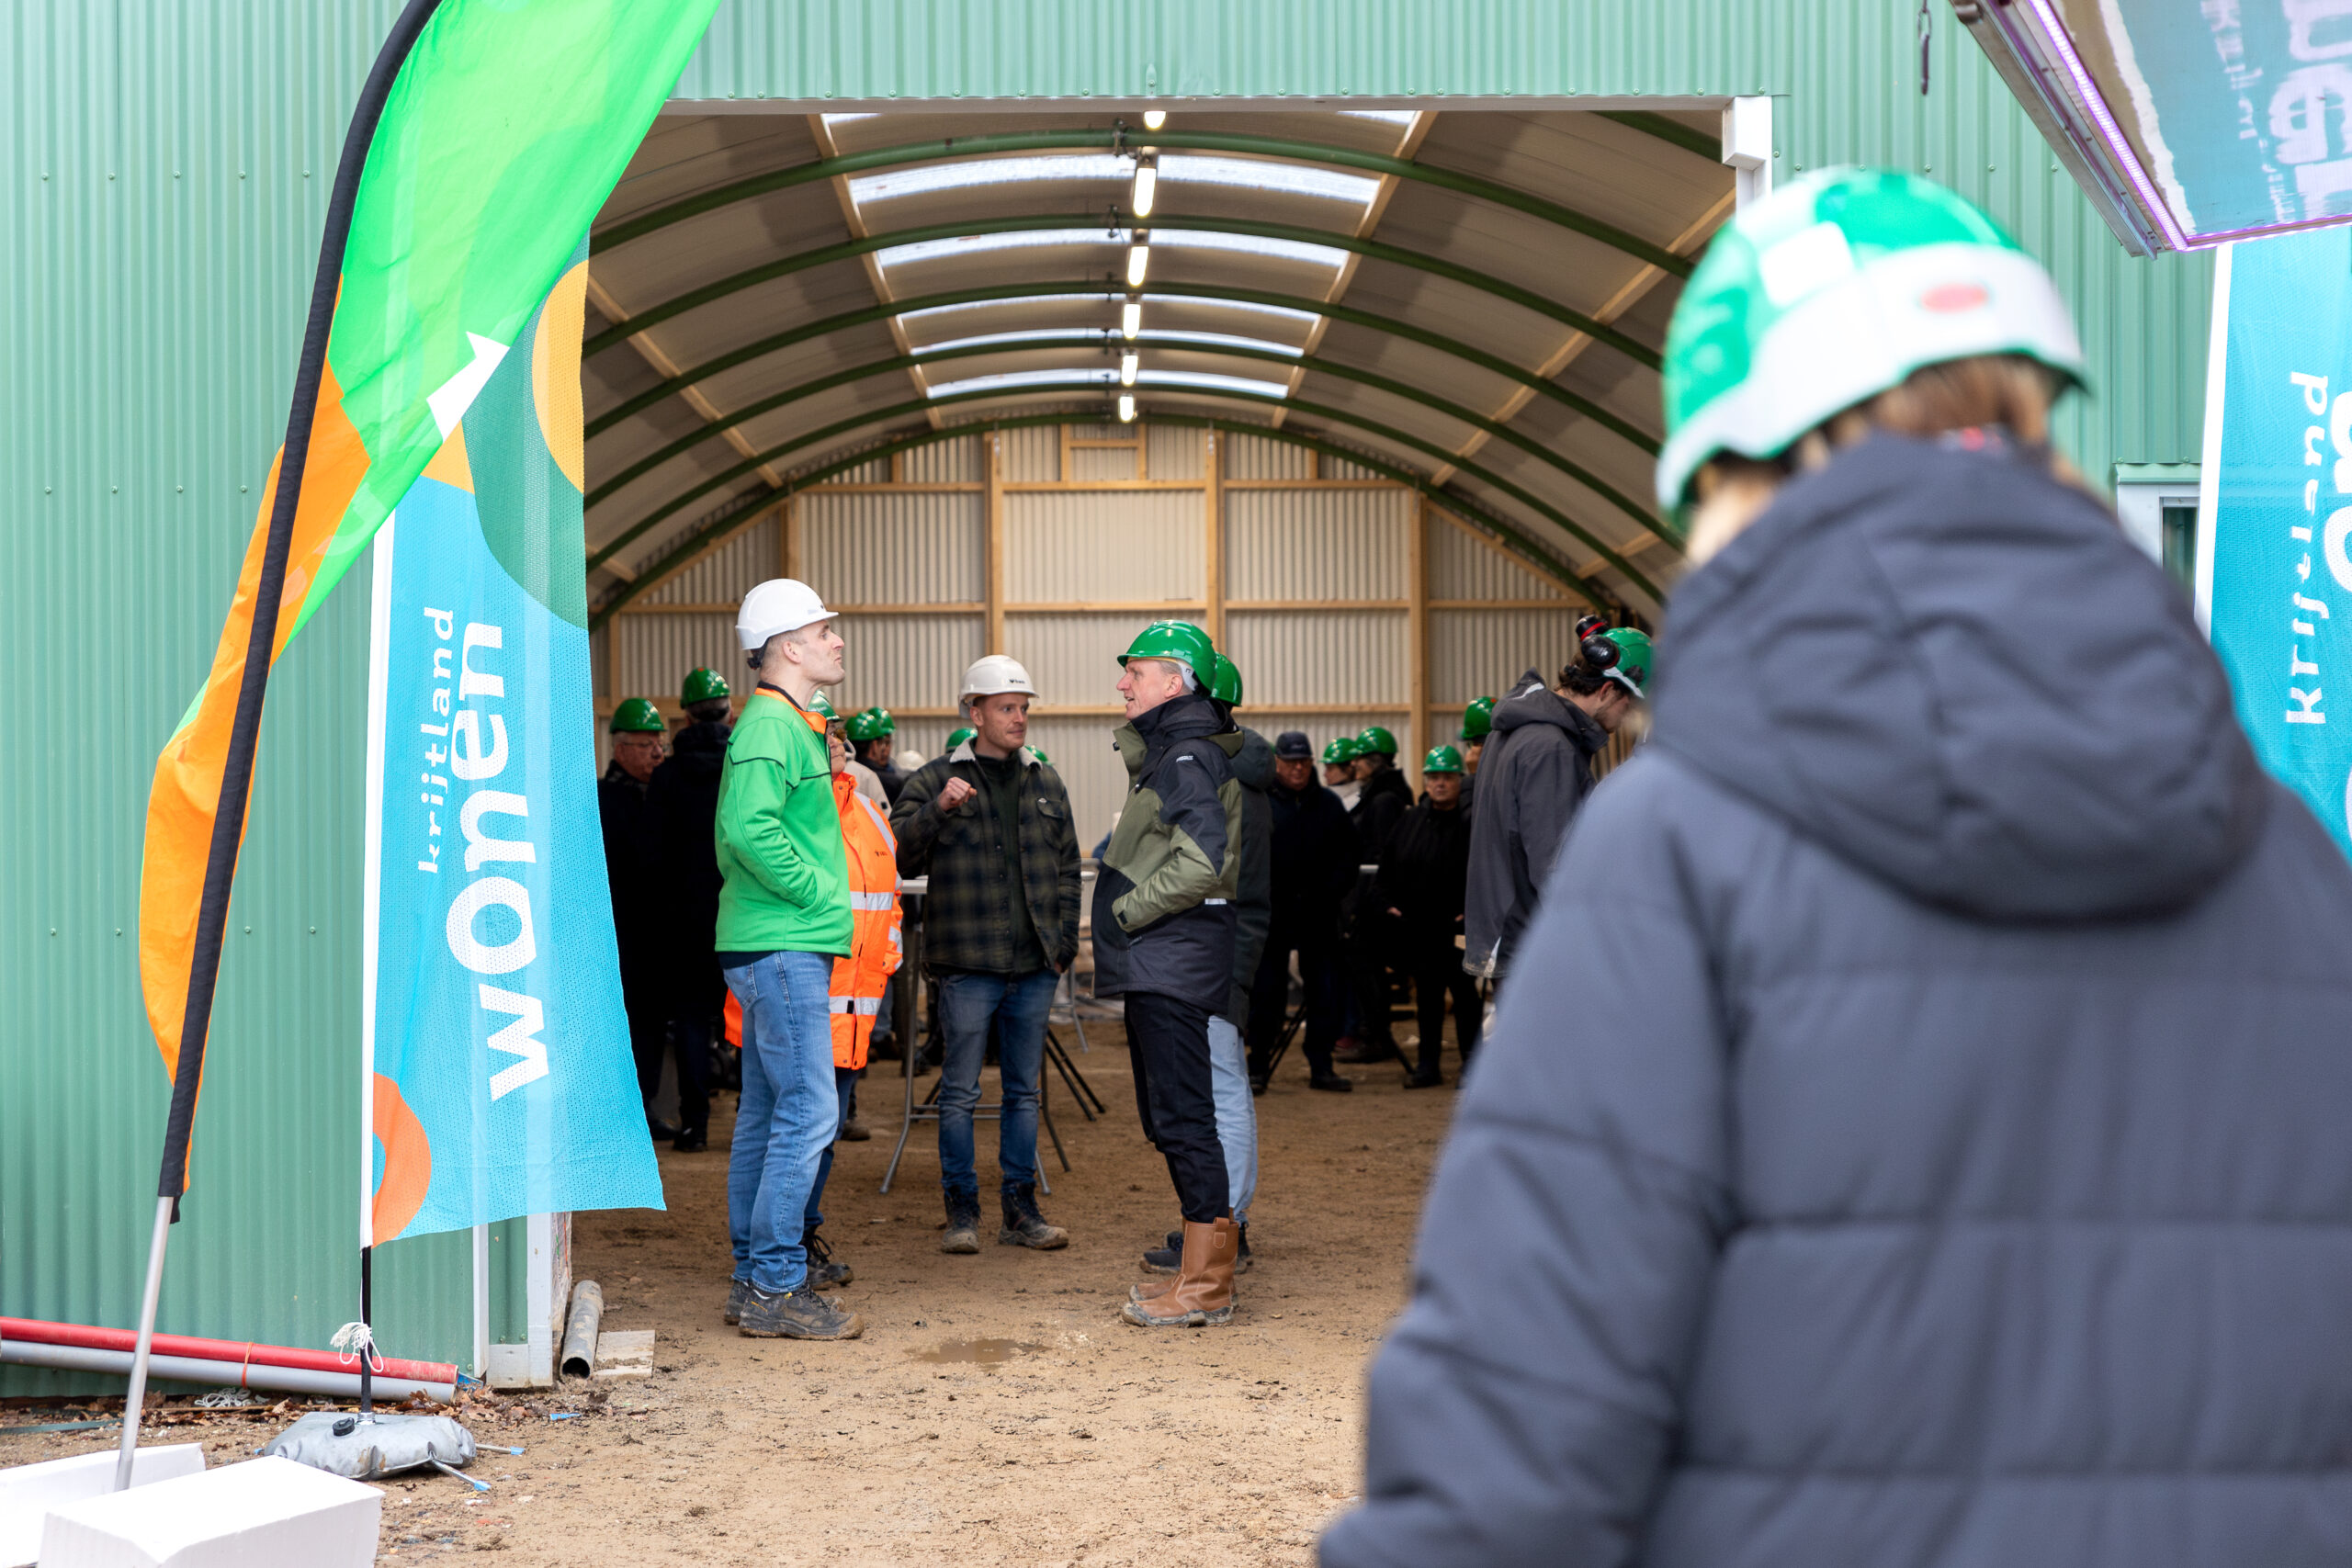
(757, 871)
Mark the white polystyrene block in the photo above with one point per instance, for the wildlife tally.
(27, 1492)
(265, 1513)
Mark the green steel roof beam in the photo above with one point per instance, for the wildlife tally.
(1452, 410)
(1376, 250)
(1282, 149)
(1301, 302)
(1485, 476)
(712, 534)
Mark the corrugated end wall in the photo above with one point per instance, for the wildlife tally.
(166, 169)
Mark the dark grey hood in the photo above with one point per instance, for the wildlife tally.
(1253, 760)
(1954, 671)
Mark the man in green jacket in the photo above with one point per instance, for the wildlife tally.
(784, 917)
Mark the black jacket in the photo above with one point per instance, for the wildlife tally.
(684, 799)
(1922, 1141)
(1536, 770)
(1380, 806)
(1252, 822)
(1314, 859)
(1164, 913)
(633, 872)
(1422, 875)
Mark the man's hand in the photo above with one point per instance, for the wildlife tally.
(954, 793)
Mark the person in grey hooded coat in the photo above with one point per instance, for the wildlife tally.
(1924, 1141)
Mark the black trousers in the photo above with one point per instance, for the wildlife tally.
(1270, 995)
(1168, 1041)
(1372, 951)
(1438, 975)
(645, 998)
(698, 998)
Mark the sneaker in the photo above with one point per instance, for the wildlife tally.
(796, 1314)
(824, 1274)
(963, 1223)
(1024, 1226)
(854, 1131)
(738, 1292)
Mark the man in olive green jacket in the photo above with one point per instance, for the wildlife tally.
(784, 917)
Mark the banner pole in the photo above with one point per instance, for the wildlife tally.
(261, 642)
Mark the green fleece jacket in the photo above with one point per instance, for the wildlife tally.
(778, 834)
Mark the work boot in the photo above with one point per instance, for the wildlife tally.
(796, 1314)
(1024, 1226)
(1169, 1258)
(738, 1292)
(963, 1223)
(1363, 1053)
(691, 1141)
(1426, 1077)
(1332, 1083)
(824, 1274)
(854, 1131)
(1202, 1293)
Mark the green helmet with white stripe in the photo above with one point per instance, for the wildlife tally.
(1832, 290)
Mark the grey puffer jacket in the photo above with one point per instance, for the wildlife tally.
(1538, 769)
(1934, 1152)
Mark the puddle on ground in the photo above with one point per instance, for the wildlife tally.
(977, 1352)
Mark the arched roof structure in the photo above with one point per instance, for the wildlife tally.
(1471, 302)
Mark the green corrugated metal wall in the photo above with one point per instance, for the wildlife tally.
(166, 168)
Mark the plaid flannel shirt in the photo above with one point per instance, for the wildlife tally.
(967, 919)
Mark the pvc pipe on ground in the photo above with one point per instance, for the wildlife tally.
(579, 1357)
(76, 1346)
(230, 1374)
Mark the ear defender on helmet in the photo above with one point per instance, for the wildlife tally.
(1594, 650)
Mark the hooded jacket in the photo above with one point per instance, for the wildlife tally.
(684, 798)
(1933, 1151)
(1249, 820)
(1537, 770)
(1164, 914)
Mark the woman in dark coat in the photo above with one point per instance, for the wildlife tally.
(1920, 1140)
(1423, 875)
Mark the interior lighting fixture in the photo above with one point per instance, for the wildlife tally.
(1147, 185)
(1130, 318)
(1126, 408)
(1139, 258)
(1129, 363)
(1154, 119)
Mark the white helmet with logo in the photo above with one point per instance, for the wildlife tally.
(993, 673)
(779, 605)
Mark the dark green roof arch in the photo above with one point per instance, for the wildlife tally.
(1376, 250)
(1455, 411)
(1341, 416)
(1282, 149)
(1305, 304)
(713, 532)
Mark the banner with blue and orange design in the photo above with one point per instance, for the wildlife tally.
(497, 1078)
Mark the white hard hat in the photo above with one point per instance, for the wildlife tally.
(994, 673)
(779, 605)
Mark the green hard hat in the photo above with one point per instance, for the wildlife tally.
(701, 685)
(872, 724)
(637, 717)
(1442, 760)
(822, 705)
(1224, 684)
(1179, 641)
(1375, 738)
(1634, 655)
(1831, 290)
(1038, 754)
(960, 734)
(1478, 719)
(1343, 749)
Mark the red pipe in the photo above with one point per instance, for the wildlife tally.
(235, 1352)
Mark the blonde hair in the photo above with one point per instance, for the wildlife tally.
(2006, 390)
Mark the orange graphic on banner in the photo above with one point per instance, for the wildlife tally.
(408, 1163)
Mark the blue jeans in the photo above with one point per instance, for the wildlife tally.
(969, 1006)
(785, 1116)
(844, 1087)
(1237, 1114)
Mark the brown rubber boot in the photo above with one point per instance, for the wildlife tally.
(1202, 1293)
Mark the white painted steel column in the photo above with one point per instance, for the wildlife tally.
(1747, 147)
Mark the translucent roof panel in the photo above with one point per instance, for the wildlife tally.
(1014, 380)
(1257, 174)
(973, 244)
(1111, 334)
(1175, 168)
(1250, 244)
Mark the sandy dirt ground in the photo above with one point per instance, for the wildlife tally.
(996, 1408)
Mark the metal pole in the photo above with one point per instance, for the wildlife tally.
(137, 1393)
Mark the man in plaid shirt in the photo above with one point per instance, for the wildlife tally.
(990, 824)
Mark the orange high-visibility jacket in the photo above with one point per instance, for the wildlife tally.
(874, 949)
(874, 952)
